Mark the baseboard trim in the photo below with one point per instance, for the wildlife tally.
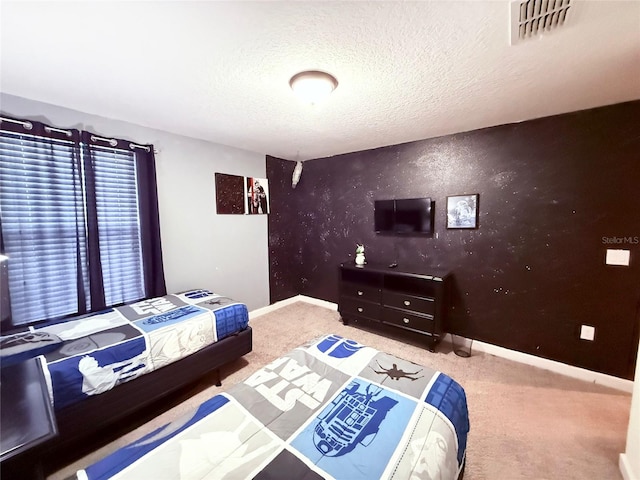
(625, 468)
(288, 301)
(320, 303)
(545, 364)
(273, 307)
(551, 365)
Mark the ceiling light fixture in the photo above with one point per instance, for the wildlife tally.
(313, 86)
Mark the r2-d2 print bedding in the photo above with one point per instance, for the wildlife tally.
(332, 408)
(100, 351)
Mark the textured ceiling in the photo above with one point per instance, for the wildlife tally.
(406, 70)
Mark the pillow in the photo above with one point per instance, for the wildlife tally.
(24, 345)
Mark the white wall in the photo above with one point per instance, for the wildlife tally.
(630, 459)
(225, 253)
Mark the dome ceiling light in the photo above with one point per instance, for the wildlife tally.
(313, 86)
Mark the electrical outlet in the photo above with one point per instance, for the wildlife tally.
(587, 332)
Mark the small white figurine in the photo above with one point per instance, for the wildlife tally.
(360, 254)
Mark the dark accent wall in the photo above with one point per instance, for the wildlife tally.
(285, 236)
(555, 193)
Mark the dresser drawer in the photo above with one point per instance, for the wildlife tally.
(362, 292)
(354, 306)
(424, 305)
(400, 318)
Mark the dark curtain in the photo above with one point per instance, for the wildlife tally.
(150, 222)
(96, 284)
(152, 268)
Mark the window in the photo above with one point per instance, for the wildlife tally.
(42, 218)
(73, 214)
(118, 225)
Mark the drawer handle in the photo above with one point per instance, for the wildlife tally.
(360, 293)
(405, 320)
(407, 303)
(360, 309)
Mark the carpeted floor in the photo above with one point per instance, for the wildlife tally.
(526, 423)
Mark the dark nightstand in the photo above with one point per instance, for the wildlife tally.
(27, 418)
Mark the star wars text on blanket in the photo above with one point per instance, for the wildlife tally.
(332, 408)
(100, 351)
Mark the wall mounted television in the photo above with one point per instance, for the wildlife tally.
(407, 216)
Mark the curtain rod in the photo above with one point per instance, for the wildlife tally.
(111, 141)
(27, 125)
(144, 147)
(51, 129)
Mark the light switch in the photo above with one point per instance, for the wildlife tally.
(618, 257)
(587, 332)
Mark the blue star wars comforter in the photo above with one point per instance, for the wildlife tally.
(100, 351)
(332, 408)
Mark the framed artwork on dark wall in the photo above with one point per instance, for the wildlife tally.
(462, 211)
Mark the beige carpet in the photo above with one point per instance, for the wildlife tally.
(526, 423)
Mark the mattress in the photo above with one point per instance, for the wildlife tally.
(100, 351)
(332, 408)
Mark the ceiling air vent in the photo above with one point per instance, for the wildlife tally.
(533, 18)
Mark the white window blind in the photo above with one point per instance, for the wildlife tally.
(43, 193)
(41, 202)
(118, 224)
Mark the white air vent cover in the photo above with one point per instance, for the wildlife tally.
(532, 18)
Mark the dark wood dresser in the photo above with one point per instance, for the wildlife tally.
(408, 299)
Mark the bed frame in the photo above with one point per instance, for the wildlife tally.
(102, 415)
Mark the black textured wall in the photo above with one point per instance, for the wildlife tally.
(554, 192)
(285, 240)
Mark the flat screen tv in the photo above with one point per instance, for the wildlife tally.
(407, 216)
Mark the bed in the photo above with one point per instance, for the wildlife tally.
(112, 365)
(101, 351)
(332, 408)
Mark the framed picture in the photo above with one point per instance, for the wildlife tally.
(257, 195)
(462, 211)
(230, 194)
